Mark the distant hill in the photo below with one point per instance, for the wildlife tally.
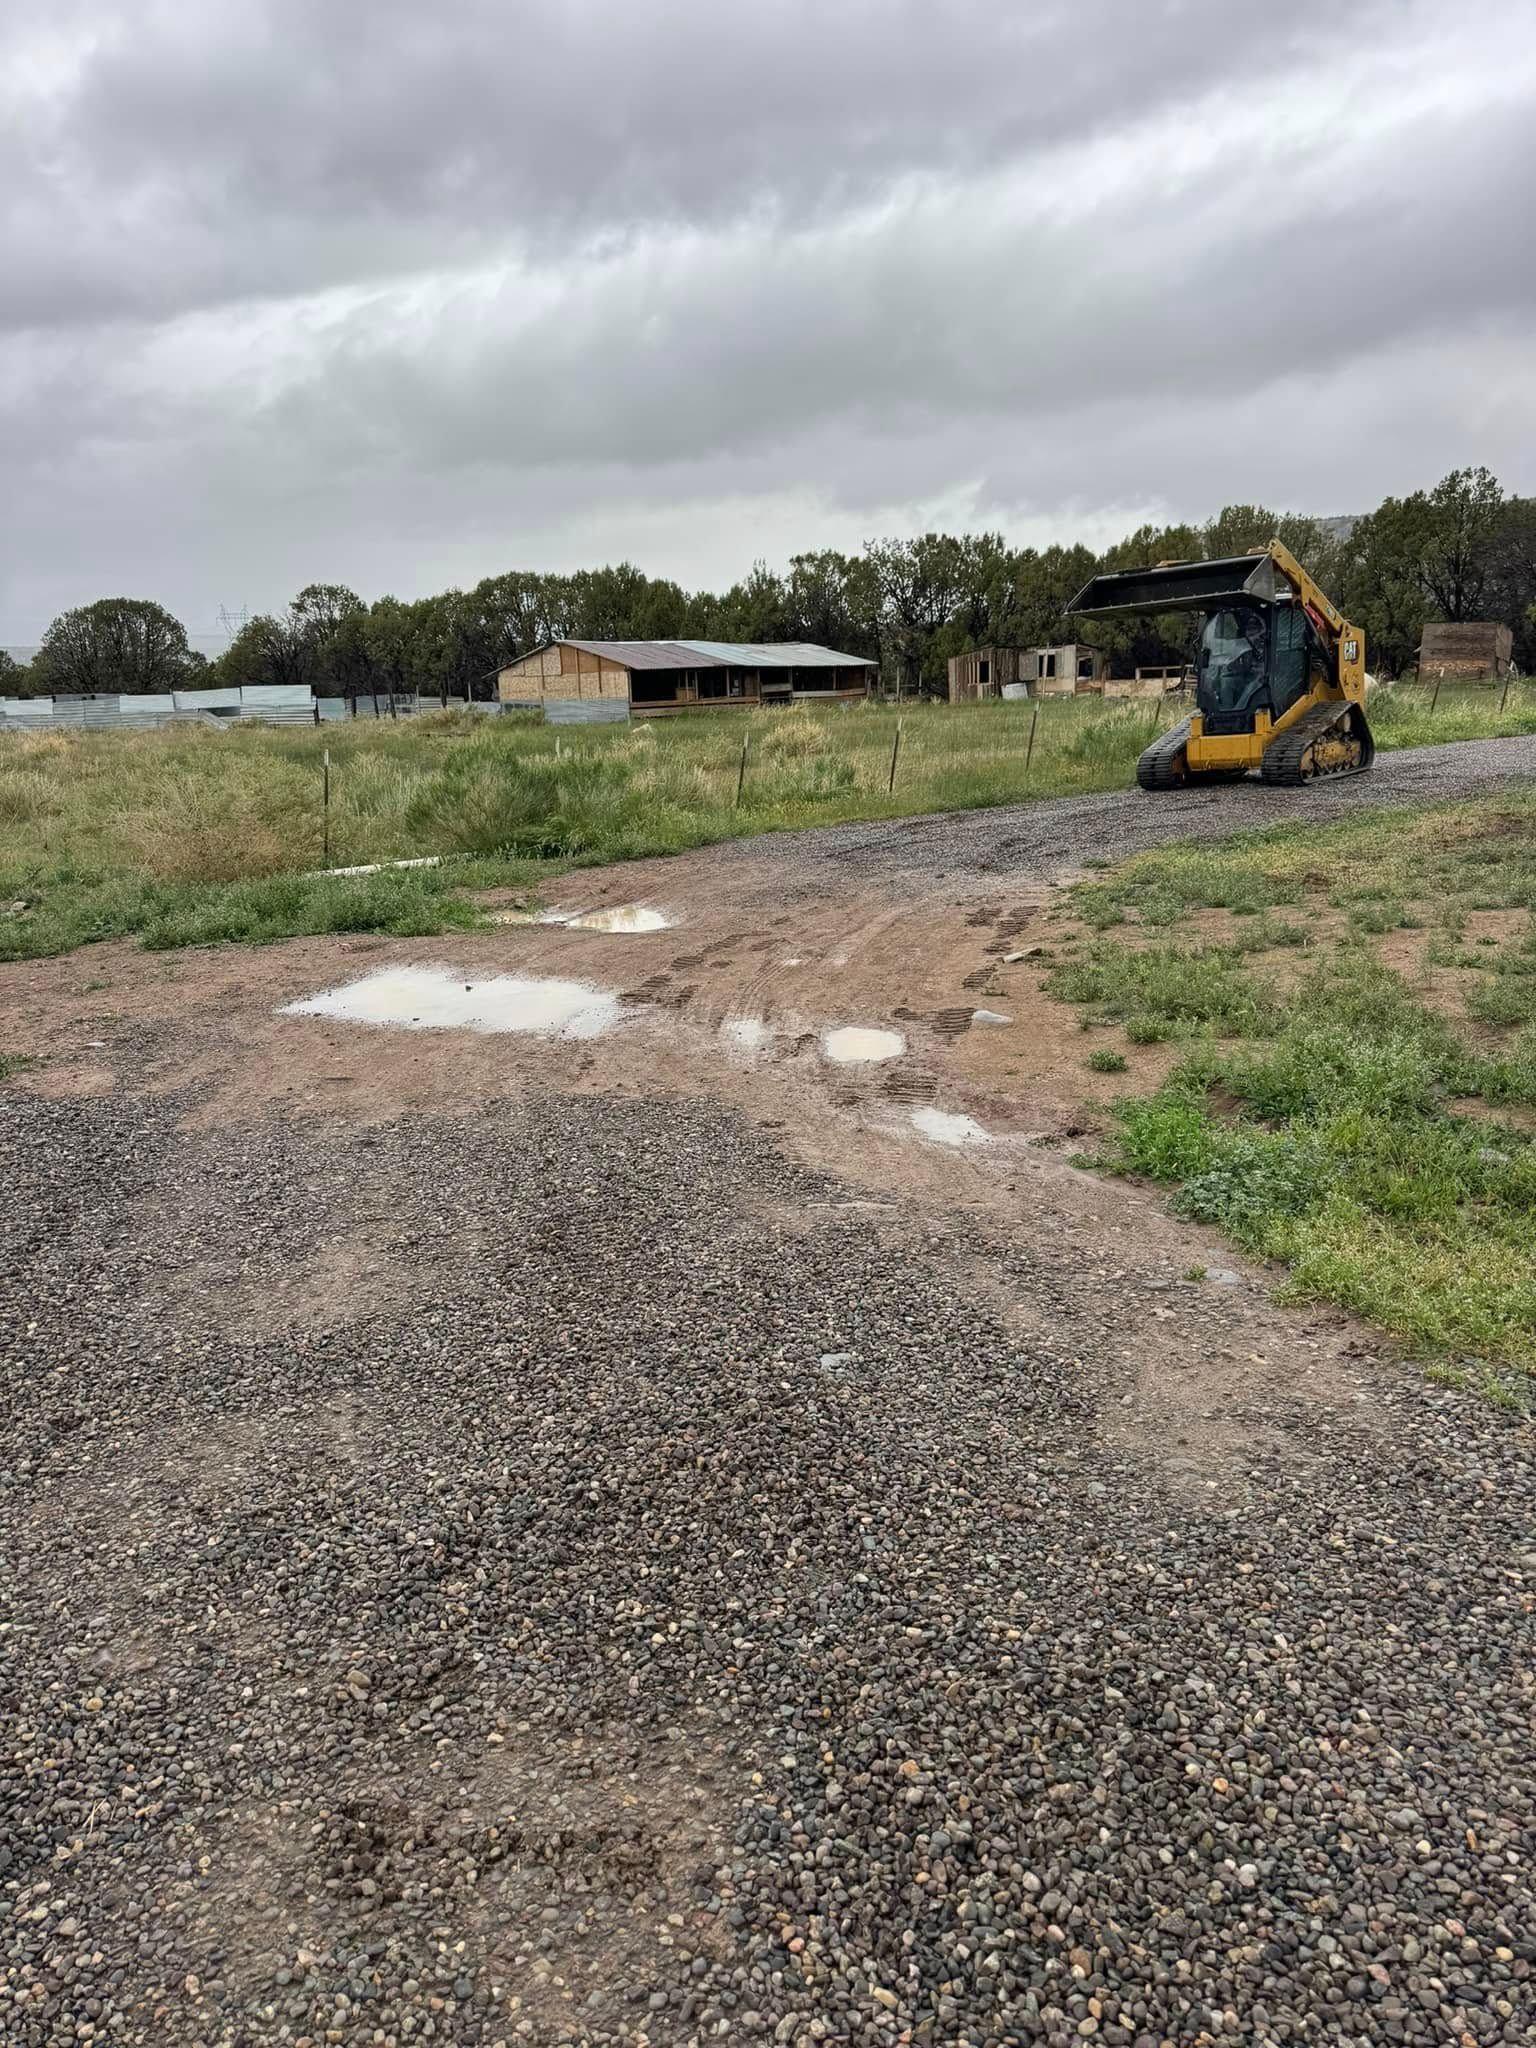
(1340, 525)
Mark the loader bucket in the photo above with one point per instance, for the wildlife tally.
(1182, 587)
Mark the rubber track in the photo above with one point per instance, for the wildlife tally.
(1282, 758)
(1162, 765)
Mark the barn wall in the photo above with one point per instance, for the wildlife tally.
(1004, 665)
(563, 672)
(585, 675)
(522, 682)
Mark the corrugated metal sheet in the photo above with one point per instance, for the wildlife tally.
(264, 696)
(110, 711)
(773, 654)
(207, 700)
(585, 710)
(640, 654)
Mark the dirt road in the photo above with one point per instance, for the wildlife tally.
(660, 1536)
(1045, 840)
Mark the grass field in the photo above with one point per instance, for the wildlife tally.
(1353, 1013)
(184, 836)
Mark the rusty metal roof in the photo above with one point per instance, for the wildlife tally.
(640, 654)
(774, 654)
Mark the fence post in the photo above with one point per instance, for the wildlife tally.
(326, 830)
(1435, 699)
(1504, 693)
(1029, 751)
(895, 750)
(741, 773)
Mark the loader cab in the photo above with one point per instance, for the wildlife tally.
(1251, 658)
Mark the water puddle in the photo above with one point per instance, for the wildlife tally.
(530, 916)
(746, 1034)
(855, 1045)
(943, 1127)
(628, 917)
(434, 999)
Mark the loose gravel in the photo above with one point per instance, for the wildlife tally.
(1049, 840)
(690, 1610)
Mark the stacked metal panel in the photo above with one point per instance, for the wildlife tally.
(586, 710)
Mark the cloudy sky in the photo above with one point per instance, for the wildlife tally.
(402, 295)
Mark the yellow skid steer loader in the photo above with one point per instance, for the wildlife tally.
(1279, 675)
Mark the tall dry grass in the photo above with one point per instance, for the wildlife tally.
(94, 824)
(25, 795)
(189, 832)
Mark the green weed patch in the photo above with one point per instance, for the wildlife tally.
(1319, 1121)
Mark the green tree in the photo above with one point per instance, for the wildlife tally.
(1457, 527)
(328, 622)
(1045, 582)
(920, 584)
(13, 677)
(392, 640)
(1433, 555)
(316, 643)
(985, 612)
(1242, 529)
(661, 611)
(604, 602)
(126, 644)
(267, 651)
(445, 661)
(1156, 641)
(827, 602)
(757, 609)
(1512, 594)
(509, 615)
(1380, 588)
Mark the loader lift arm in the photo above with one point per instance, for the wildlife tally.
(1280, 678)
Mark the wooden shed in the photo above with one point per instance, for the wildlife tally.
(1476, 651)
(1063, 671)
(1040, 671)
(984, 672)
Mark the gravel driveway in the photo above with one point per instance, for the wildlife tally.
(568, 1570)
(1046, 839)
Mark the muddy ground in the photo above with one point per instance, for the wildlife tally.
(504, 1528)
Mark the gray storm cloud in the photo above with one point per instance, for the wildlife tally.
(408, 295)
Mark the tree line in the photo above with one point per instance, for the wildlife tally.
(1463, 550)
